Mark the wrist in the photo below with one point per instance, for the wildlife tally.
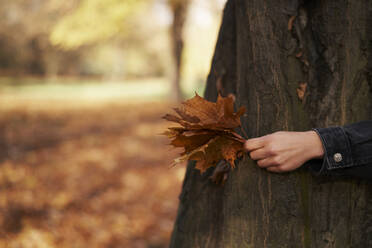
(314, 145)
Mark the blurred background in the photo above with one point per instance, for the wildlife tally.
(83, 86)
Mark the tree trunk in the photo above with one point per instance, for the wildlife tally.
(179, 11)
(268, 54)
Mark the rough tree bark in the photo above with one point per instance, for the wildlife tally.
(263, 58)
(179, 12)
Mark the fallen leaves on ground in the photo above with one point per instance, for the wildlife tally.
(206, 131)
(80, 178)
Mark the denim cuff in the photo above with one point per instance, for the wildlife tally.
(337, 151)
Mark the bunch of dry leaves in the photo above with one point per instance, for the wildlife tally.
(207, 131)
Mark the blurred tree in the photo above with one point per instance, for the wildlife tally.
(118, 34)
(99, 20)
(112, 38)
(179, 12)
(95, 21)
(24, 29)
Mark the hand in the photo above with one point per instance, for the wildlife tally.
(284, 151)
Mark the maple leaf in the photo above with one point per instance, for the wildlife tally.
(207, 132)
(198, 113)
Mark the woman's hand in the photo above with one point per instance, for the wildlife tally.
(284, 151)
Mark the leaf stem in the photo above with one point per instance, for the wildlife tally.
(244, 133)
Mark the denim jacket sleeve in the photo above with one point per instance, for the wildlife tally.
(347, 150)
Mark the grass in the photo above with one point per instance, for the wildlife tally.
(31, 89)
(86, 90)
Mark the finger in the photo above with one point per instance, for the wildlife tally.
(260, 154)
(253, 144)
(268, 162)
(275, 169)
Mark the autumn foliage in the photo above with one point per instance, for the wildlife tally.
(206, 131)
(78, 176)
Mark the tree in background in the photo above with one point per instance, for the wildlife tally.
(111, 40)
(24, 42)
(179, 12)
(93, 21)
(96, 21)
(81, 37)
(294, 65)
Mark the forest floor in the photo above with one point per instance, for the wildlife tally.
(86, 176)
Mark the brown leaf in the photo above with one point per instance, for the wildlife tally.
(186, 117)
(191, 142)
(207, 131)
(217, 149)
(198, 113)
(199, 107)
(173, 118)
(210, 153)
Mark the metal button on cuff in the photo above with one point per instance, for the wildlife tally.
(337, 157)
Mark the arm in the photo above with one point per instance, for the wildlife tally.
(339, 147)
(348, 148)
